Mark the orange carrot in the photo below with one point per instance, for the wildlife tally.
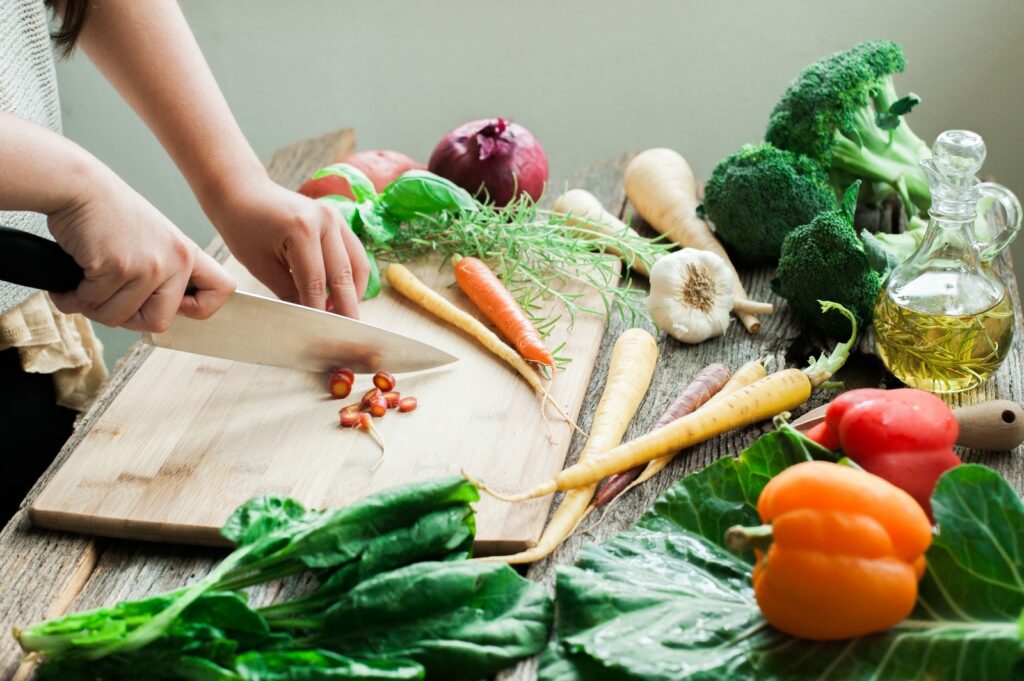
(487, 292)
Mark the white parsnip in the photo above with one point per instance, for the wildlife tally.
(629, 375)
(661, 186)
(585, 211)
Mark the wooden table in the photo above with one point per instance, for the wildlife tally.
(44, 574)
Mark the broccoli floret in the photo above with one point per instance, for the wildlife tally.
(843, 111)
(756, 196)
(825, 260)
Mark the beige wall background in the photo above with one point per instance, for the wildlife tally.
(589, 78)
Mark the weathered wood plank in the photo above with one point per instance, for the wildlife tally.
(44, 573)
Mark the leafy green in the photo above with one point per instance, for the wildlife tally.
(416, 193)
(460, 620)
(397, 599)
(314, 665)
(362, 187)
(665, 600)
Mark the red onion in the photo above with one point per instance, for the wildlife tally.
(494, 157)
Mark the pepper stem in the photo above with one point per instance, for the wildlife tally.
(740, 538)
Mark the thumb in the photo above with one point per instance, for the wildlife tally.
(210, 285)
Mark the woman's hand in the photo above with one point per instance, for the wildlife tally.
(298, 247)
(137, 263)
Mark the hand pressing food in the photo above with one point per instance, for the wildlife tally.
(840, 554)
(905, 436)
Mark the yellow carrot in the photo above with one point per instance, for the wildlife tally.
(782, 391)
(744, 376)
(629, 376)
(662, 188)
(406, 283)
(585, 211)
(775, 393)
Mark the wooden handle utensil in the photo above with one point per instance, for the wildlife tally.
(993, 425)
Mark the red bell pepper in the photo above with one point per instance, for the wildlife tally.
(905, 436)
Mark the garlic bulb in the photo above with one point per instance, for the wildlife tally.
(691, 295)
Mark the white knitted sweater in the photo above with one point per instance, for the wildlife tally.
(28, 88)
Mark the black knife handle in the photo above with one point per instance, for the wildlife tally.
(33, 261)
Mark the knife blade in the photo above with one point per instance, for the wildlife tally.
(259, 330)
(248, 328)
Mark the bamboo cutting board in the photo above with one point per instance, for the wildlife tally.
(189, 438)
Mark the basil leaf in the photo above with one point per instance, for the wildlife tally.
(373, 282)
(665, 601)
(419, 192)
(346, 206)
(362, 187)
(376, 226)
(462, 620)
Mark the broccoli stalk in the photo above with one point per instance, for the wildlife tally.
(844, 112)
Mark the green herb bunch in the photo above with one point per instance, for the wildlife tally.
(539, 255)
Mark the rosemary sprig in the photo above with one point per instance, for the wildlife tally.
(538, 255)
(942, 352)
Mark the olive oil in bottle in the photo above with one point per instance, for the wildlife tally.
(942, 353)
(943, 321)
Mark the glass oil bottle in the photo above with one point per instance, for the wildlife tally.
(943, 320)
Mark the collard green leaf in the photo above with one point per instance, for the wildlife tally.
(317, 665)
(362, 187)
(665, 601)
(461, 620)
(725, 493)
(420, 192)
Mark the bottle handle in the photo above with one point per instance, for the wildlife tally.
(1011, 216)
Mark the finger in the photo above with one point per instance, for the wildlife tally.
(212, 287)
(358, 259)
(157, 313)
(339, 274)
(124, 304)
(278, 278)
(306, 260)
(91, 293)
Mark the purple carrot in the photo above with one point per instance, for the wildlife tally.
(702, 388)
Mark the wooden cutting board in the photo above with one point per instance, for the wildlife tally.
(189, 438)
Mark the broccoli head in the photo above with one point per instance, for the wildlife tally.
(824, 260)
(843, 111)
(756, 196)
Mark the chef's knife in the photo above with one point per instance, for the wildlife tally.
(248, 328)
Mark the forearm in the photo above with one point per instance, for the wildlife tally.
(147, 51)
(42, 171)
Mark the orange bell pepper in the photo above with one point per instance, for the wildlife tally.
(845, 551)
